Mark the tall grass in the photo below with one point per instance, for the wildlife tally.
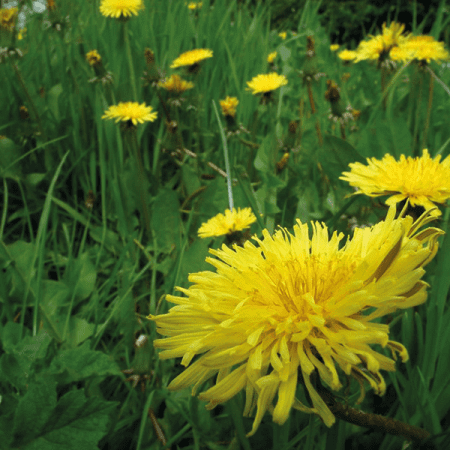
(78, 280)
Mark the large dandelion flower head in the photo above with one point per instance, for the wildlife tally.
(378, 47)
(131, 112)
(264, 83)
(176, 84)
(347, 55)
(422, 180)
(230, 222)
(121, 8)
(191, 57)
(421, 48)
(289, 304)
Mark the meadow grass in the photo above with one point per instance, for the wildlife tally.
(99, 223)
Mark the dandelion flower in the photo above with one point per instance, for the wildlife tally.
(266, 83)
(292, 304)
(191, 57)
(93, 57)
(282, 35)
(194, 5)
(8, 17)
(176, 84)
(422, 48)
(347, 55)
(334, 47)
(130, 111)
(378, 47)
(232, 221)
(120, 8)
(271, 57)
(422, 180)
(229, 105)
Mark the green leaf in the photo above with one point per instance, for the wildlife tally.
(166, 221)
(81, 277)
(81, 363)
(73, 423)
(9, 153)
(335, 155)
(53, 100)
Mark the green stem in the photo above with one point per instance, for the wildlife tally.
(130, 60)
(429, 106)
(369, 420)
(141, 181)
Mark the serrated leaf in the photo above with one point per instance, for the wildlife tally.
(81, 363)
(73, 423)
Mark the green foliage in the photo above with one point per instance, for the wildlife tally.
(99, 221)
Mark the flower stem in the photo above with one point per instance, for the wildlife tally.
(141, 181)
(429, 106)
(130, 60)
(369, 420)
(313, 111)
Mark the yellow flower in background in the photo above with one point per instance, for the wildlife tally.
(290, 304)
(422, 48)
(21, 34)
(130, 111)
(194, 5)
(334, 47)
(8, 18)
(347, 55)
(191, 57)
(271, 57)
(230, 222)
(121, 8)
(283, 35)
(229, 105)
(378, 47)
(266, 83)
(176, 84)
(93, 57)
(422, 180)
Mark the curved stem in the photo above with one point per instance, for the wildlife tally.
(369, 420)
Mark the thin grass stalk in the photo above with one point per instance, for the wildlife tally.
(428, 116)
(130, 61)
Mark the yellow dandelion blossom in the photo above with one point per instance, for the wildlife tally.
(271, 57)
(194, 5)
(347, 55)
(266, 83)
(8, 17)
(120, 8)
(283, 35)
(334, 47)
(130, 111)
(422, 180)
(176, 84)
(421, 48)
(21, 34)
(93, 57)
(289, 305)
(191, 57)
(229, 105)
(231, 221)
(378, 47)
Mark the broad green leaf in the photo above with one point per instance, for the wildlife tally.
(81, 363)
(73, 422)
(9, 153)
(81, 276)
(335, 155)
(166, 221)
